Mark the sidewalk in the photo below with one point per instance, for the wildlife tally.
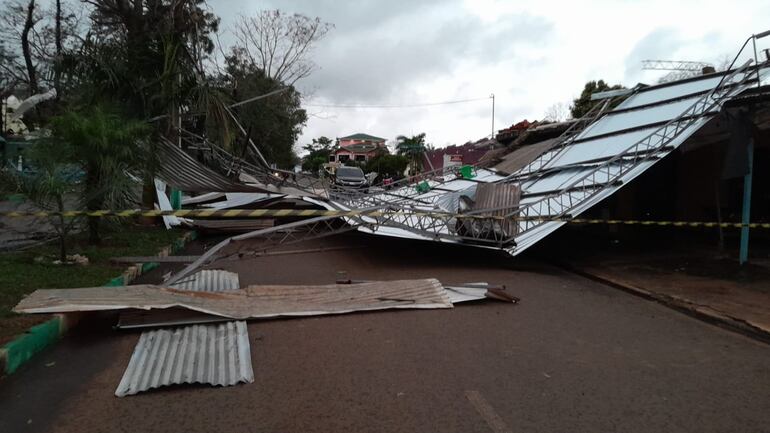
(710, 287)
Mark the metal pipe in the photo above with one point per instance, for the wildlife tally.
(746, 213)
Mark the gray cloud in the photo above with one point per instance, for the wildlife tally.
(378, 51)
(667, 44)
(373, 64)
(658, 44)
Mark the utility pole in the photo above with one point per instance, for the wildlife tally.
(493, 115)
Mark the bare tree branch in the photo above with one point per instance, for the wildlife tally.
(31, 71)
(280, 44)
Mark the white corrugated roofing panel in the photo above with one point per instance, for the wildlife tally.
(214, 354)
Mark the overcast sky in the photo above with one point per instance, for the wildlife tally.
(531, 55)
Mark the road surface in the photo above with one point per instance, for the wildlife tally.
(573, 356)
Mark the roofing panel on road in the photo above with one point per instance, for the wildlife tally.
(209, 280)
(251, 302)
(213, 354)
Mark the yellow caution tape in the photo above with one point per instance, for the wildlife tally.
(268, 213)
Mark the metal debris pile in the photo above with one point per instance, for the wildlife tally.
(615, 142)
(197, 330)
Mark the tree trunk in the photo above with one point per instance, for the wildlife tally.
(25, 48)
(148, 200)
(93, 231)
(57, 61)
(93, 203)
(62, 230)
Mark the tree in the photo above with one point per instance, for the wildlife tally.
(146, 55)
(413, 148)
(32, 38)
(388, 165)
(106, 147)
(558, 112)
(275, 122)
(47, 186)
(279, 44)
(317, 154)
(583, 104)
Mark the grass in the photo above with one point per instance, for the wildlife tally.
(21, 274)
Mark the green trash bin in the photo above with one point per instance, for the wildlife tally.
(423, 187)
(466, 172)
(176, 199)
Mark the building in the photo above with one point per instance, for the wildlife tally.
(466, 154)
(357, 147)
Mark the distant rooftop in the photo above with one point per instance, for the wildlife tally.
(360, 136)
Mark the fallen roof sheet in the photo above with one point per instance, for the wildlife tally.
(202, 198)
(207, 280)
(212, 354)
(231, 225)
(478, 291)
(522, 156)
(164, 204)
(558, 186)
(184, 172)
(241, 199)
(251, 302)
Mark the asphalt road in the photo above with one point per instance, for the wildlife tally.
(573, 356)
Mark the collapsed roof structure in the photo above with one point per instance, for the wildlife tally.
(591, 160)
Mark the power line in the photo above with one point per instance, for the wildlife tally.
(426, 104)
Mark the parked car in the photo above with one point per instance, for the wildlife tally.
(350, 177)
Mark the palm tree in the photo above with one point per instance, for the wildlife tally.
(412, 147)
(47, 186)
(105, 146)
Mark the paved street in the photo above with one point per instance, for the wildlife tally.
(573, 356)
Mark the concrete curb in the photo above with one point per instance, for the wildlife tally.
(24, 347)
(701, 312)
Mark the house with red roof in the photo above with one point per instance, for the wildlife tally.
(357, 147)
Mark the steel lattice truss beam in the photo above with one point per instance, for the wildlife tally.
(607, 174)
(295, 232)
(566, 139)
(675, 65)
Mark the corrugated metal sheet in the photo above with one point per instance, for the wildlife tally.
(231, 225)
(504, 198)
(214, 354)
(184, 172)
(241, 200)
(523, 156)
(251, 302)
(209, 280)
